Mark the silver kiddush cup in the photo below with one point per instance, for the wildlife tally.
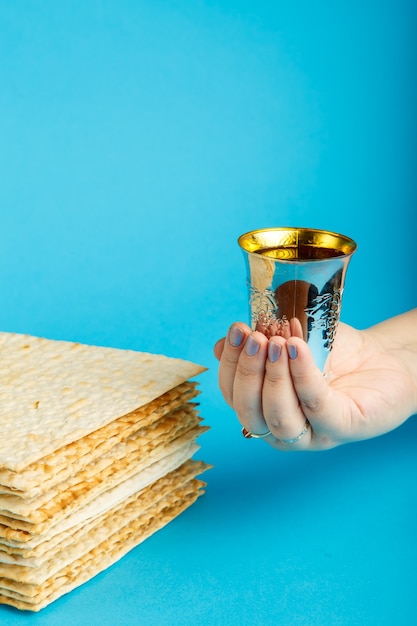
(295, 280)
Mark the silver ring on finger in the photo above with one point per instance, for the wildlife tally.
(300, 436)
(248, 435)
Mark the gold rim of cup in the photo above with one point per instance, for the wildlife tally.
(265, 241)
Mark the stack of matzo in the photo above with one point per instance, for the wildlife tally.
(95, 456)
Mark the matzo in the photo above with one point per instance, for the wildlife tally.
(41, 549)
(114, 465)
(96, 448)
(41, 475)
(74, 546)
(59, 391)
(171, 456)
(35, 597)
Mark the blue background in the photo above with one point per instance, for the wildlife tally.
(138, 140)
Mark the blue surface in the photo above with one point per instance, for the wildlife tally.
(138, 140)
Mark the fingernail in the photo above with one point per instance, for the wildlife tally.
(292, 351)
(252, 346)
(236, 336)
(274, 350)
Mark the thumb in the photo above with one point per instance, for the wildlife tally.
(321, 405)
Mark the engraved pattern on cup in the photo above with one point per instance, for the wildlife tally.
(324, 314)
